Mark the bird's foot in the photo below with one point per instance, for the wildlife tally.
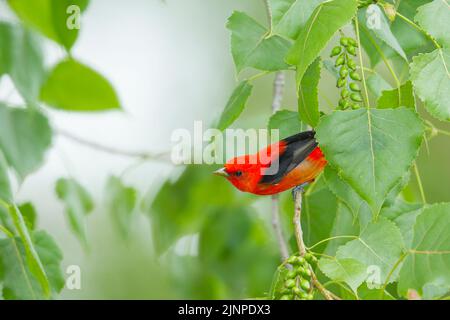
(300, 188)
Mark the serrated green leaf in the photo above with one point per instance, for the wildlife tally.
(404, 215)
(361, 144)
(235, 104)
(394, 99)
(121, 202)
(431, 79)
(25, 136)
(382, 29)
(73, 86)
(324, 22)
(286, 122)
(21, 57)
(308, 91)
(290, 16)
(434, 18)
(350, 271)
(378, 248)
(78, 204)
(426, 267)
(49, 17)
(18, 281)
(252, 47)
(376, 84)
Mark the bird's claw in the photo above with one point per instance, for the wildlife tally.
(299, 188)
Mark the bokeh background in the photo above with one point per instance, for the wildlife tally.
(171, 65)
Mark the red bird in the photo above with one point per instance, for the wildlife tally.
(300, 161)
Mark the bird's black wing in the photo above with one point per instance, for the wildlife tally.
(298, 147)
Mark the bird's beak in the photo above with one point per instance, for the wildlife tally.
(221, 172)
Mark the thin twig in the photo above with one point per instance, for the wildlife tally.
(419, 183)
(162, 156)
(302, 248)
(278, 86)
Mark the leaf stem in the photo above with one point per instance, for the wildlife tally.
(6, 231)
(331, 238)
(416, 26)
(269, 15)
(162, 156)
(391, 272)
(302, 248)
(419, 182)
(366, 94)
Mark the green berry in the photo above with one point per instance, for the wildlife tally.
(336, 50)
(301, 260)
(297, 291)
(300, 270)
(355, 76)
(285, 297)
(292, 260)
(344, 41)
(341, 82)
(343, 72)
(356, 106)
(351, 50)
(290, 283)
(351, 64)
(309, 296)
(308, 257)
(306, 273)
(345, 93)
(291, 274)
(304, 284)
(356, 97)
(340, 60)
(303, 296)
(343, 103)
(352, 42)
(354, 86)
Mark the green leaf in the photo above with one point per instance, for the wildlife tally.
(290, 16)
(25, 135)
(5, 185)
(426, 267)
(78, 204)
(29, 215)
(391, 98)
(382, 29)
(431, 79)
(251, 46)
(324, 22)
(377, 85)
(308, 100)
(21, 57)
(120, 202)
(235, 104)
(277, 283)
(73, 86)
(32, 259)
(434, 18)
(18, 281)
(350, 271)
(49, 17)
(286, 122)
(361, 144)
(378, 248)
(404, 215)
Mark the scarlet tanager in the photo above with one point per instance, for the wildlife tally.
(299, 159)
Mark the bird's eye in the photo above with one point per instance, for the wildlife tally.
(238, 173)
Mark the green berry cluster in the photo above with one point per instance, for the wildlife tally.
(297, 282)
(348, 77)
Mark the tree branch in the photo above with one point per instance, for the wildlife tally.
(278, 86)
(302, 248)
(162, 156)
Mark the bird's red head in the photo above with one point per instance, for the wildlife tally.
(243, 173)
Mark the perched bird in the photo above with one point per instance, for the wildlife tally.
(299, 158)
